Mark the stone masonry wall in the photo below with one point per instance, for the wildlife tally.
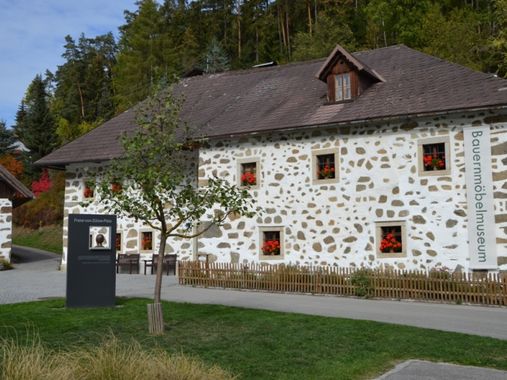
(76, 203)
(379, 181)
(5, 229)
(335, 223)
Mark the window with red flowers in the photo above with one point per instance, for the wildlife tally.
(249, 173)
(117, 242)
(271, 243)
(146, 241)
(434, 156)
(325, 166)
(88, 190)
(391, 239)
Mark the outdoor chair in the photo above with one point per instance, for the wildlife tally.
(130, 260)
(169, 263)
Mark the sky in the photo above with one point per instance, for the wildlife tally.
(32, 37)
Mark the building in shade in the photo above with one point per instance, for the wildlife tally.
(12, 194)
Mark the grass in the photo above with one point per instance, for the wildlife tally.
(47, 238)
(251, 343)
(108, 361)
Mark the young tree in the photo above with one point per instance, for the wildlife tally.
(157, 173)
(215, 59)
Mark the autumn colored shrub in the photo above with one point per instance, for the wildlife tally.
(43, 184)
(12, 164)
(47, 208)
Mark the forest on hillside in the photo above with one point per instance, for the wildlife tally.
(161, 40)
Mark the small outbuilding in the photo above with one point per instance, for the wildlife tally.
(12, 194)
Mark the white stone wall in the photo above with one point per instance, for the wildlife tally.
(378, 182)
(76, 203)
(5, 229)
(335, 223)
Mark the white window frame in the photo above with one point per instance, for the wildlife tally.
(279, 229)
(378, 233)
(343, 91)
(420, 153)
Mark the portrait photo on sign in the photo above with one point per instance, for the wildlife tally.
(99, 237)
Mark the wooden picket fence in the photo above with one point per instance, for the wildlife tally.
(474, 288)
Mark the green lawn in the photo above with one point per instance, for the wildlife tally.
(255, 344)
(47, 238)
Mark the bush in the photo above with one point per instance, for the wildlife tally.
(46, 209)
(110, 360)
(5, 265)
(361, 279)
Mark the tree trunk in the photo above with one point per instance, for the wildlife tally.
(309, 11)
(155, 315)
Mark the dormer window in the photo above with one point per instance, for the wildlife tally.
(342, 87)
(346, 76)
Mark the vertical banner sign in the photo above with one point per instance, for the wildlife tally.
(91, 260)
(481, 218)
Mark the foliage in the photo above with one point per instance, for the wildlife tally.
(362, 281)
(159, 186)
(354, 349)
(47, 209)
(5, 265)
(111, 359)
(83, 95)
(146, 55)
(215, 59)
(47, 238)
(35, 123)
(328, 32)
(6, 139)
(43, 184)
(13, 164)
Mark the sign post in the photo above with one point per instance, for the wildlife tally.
(479, 184)
(91, 265)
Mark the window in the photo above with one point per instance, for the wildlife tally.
(342, 87)
(249, 173)
(146, 241)
(88, 190)
(271, 243)
(434, 156)
(325, 166)
(391, 239)
(117, 242)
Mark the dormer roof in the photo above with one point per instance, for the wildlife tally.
(340, 52)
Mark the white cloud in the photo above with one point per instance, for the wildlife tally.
(32, 38)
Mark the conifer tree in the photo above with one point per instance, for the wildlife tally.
(37, 130)
(215, 59)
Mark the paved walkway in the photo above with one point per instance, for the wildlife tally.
(423, 370)
(37, 278)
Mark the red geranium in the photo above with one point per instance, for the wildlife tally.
(326, 172)
(248, 179)
(389, 243)
(271, 247)
(431, 161)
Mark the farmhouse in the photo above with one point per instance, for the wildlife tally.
(381, 158)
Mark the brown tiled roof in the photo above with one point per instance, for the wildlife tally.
(289, 96)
